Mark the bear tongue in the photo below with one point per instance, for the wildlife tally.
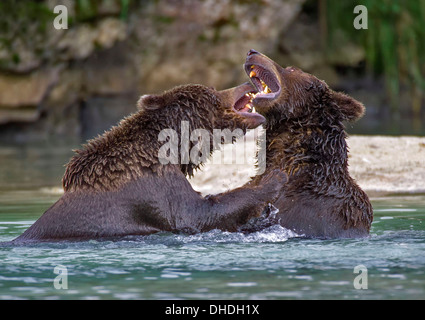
(244, 105)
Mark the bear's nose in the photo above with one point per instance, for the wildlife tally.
(252, 51)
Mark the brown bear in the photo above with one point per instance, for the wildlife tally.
(305, 138)
(117, 184)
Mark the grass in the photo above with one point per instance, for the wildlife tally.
(393, 43)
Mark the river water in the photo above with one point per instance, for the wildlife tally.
(271, 264)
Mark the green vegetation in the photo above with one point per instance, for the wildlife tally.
(24, 24)
(18, 19)
(394, 43)
(88, 9)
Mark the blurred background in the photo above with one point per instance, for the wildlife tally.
(71, 84)
(59, 88)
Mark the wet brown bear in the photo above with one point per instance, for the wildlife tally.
(117, 185)
(305, 138)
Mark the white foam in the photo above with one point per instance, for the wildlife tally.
(275, 233)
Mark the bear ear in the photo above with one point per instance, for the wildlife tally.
(351, 109)
(150, 102)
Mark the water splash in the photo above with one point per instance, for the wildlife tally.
(275, 233)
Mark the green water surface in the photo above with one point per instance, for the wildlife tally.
(271, 264)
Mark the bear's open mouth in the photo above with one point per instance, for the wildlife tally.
(244, 105)
(264, 81)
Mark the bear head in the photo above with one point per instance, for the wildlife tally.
(289, 94)
(204, 107)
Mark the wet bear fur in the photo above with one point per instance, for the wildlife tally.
(306, 139)
(116, 186)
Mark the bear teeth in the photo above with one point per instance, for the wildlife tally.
(266, 88)
(251, 96)
(250, 107)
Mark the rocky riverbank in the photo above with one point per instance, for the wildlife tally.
(76, 82)
(380, 164)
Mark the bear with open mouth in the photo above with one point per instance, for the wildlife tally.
(117, 186)
(305, 138)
